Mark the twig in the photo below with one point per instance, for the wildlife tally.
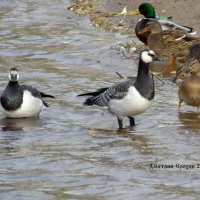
(158, 78)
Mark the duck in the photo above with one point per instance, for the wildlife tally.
(148, 11)
(21, 101)
(129, 98)
(189, 89)
(169, 43)
(192, 61)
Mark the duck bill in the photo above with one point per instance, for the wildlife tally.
(145, 30)
(180, 78)
(175, 80)
(134, 12)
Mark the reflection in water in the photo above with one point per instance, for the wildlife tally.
(12, 131)
(190, 120)
(21, 124)
(136, 140)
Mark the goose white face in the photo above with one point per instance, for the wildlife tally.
(13, 75)
(147, 56)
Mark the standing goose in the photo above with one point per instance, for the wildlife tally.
(148, 11)
(129, 98)
(20, 101)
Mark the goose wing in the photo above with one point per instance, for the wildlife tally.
(102, 96)
(37, 93)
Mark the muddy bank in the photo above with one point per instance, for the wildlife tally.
(101, 13)
(184, 12)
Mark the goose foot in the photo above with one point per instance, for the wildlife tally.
(120, 122)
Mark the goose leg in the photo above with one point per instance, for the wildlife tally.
(120, 122)
(132, 121)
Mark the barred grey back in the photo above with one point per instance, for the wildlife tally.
(117, 91)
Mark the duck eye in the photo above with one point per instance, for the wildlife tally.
(183, 75)
(187, 70)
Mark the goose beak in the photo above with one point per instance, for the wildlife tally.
(156, 58)
(13, 78)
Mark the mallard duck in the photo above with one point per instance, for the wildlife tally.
(149, 13)
(192, 61)
(189, 89)
(168, 43)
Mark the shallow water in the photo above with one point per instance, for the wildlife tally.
(76, 152)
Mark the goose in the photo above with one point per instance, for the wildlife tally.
(128, 98)
(19, 101)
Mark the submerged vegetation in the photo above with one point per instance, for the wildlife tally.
(100, 18)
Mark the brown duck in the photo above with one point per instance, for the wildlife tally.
(189, 89)
(192, 61)
(170, 43)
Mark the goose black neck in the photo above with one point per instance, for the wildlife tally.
(13, 84)
(143, 70)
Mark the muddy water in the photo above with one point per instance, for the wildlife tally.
(72, 152)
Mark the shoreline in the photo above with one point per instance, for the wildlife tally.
(184, 12)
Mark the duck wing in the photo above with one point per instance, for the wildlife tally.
(166, 24)
(170, 42)
(172, 35)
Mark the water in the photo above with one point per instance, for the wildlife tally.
(73, 152)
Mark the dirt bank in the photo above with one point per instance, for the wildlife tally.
(184, 12)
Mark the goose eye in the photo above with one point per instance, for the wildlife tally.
(152, 55)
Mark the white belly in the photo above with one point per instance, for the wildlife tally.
(31, 107)
(132, 104)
